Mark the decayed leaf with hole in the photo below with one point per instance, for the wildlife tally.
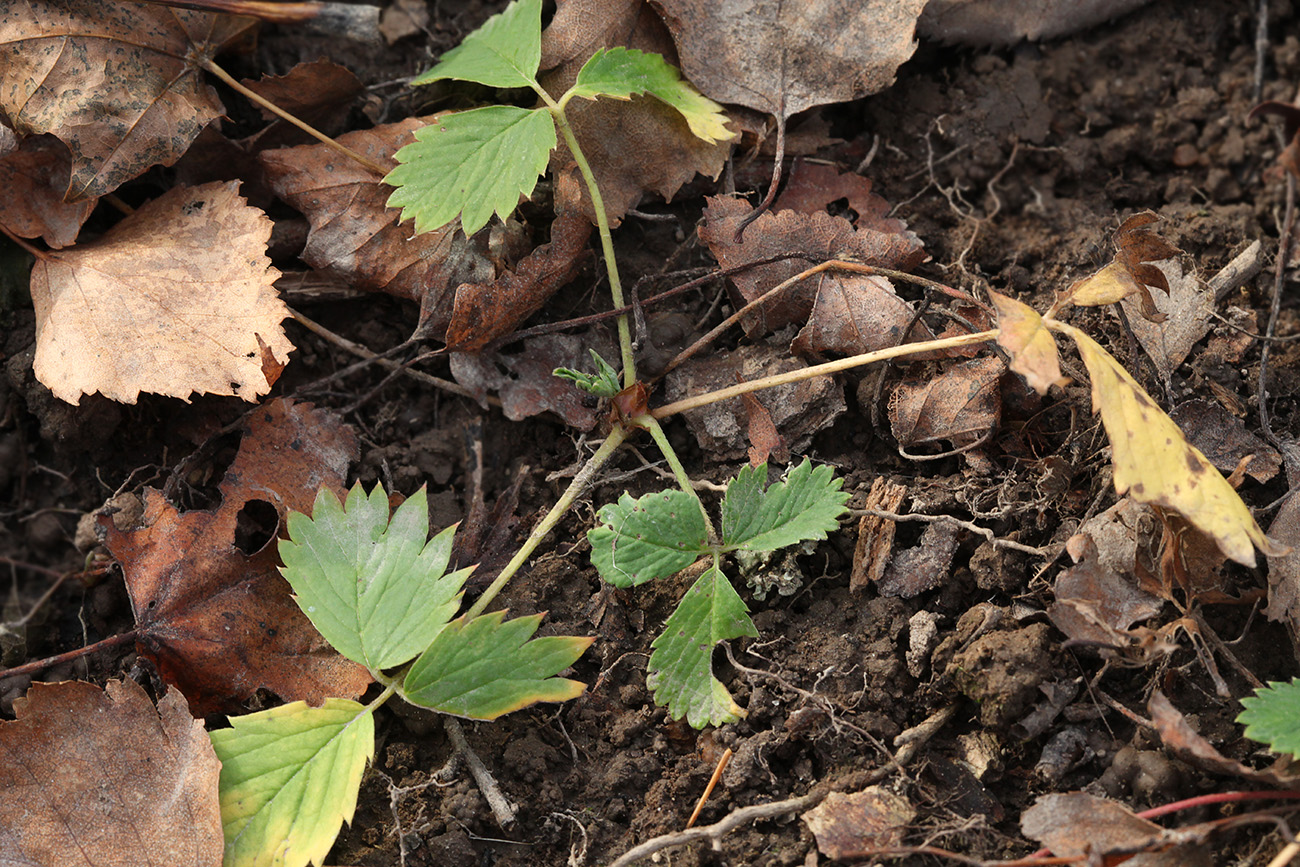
(635, 146)
(172, 300)
(813, 53)
(121, 84)
(217, 620)
(91, 776)
(1130, 272)
(32, 180)
(276, 762)
(1155, 464)
(1032, 349)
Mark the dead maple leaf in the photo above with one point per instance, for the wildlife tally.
(961, 404)
(783, 58)
(219, 622)
(91, 776)
(119, 83)
(813, 187)
(172, 301)
(1029, 344)
(32, 180)
(1155, 464)
(634, 146)
(883, 242)
(1130, 272)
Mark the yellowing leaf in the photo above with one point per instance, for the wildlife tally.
(1108, 286)
(1155, 464)
(1033, 351)
(171, 301)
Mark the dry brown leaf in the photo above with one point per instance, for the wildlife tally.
(32, 180)
(219, 622)
(318, 93)
(1183, 741)
(1155, 464)
(1131, 271)
(1284, 571)
(171, 301)
(356, 236)
(764, 439)
(1096, 605)
(812, 187)
(102, 777)
(853, 314)
(961, 404)
(857, 823)
(883, 242)
(119, 83)
(635, 146)
(1224, 439)
(1187, 312)
(1032, 349)
(1079, 825)
(783, 58)
(1005, 22)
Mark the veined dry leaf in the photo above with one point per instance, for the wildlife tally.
(103, 777)
(961, 404)
(812, 187)
(32, 180)
(1184, 741)
(1131, 271)
(874, 818)
(172, 301)
(1155, 464)
(220, 622)
(1079, 825)
(119, 83)
(1032, 349)
(812, 53)
(635, 146)
(317, 92)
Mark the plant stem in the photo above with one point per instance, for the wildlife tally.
(576, 487)
(679, 471)
(390, 687)
(822, 370)
(602, 226)
(216, 70)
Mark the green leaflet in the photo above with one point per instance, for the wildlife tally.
(648, 538)
(681, 666)
(626, 72)
(289, 779)
(1272, 716)
(376, 590)
(504, 52)
(471, 164)
(807, 505)
(484, 668)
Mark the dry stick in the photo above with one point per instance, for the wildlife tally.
(502, 809)
(272, 12)
(1287, 854)
(957, 522)
(826, 369)
(27, 248)
(1275, 306)
(375, 167)
(708, 790)
(42, 664)
(764, 205)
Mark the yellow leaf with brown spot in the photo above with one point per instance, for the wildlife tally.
(1033, 351)
(1155, 464)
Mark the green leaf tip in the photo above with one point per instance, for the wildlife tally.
(471, 164)
(805, 506)
(289, 780)
(647, 538)
(681, 666)
(484, 668)
(603, 383)
(1272, 716)
(622, 73)
(376, 588)
(504, 52)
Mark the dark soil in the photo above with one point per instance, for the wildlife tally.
(1014, 167)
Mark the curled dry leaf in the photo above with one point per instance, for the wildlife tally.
(1155, 464)
(814, 53)
(635, 146)
(1130, 272)
(1186, 315)
(32, 180)
(171, 301)
(219, 622)
(1032, 349)
(317, 93)
(107, 776)
(1096, 605)
(121, 84)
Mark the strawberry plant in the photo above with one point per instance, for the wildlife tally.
(1272, 716)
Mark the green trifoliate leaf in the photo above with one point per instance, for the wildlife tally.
(807, 505)
(647, 538)
(504, 52)
(603, 383)
(377, 590)
(626, 72)
(1272, 716)
(484, 668)
(471, 164)
(681, 667)
(289, 779)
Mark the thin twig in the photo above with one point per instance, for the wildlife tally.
(957, 522)
(502, 809)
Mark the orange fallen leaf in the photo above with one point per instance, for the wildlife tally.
(172, 301)
(1033, 351)
(219, 622)
(119, 83)
(91, 776)
(1155, 464)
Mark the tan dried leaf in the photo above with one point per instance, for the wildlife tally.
(170, 301)
(32, 180)
(1033, 351)
(961, 404)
